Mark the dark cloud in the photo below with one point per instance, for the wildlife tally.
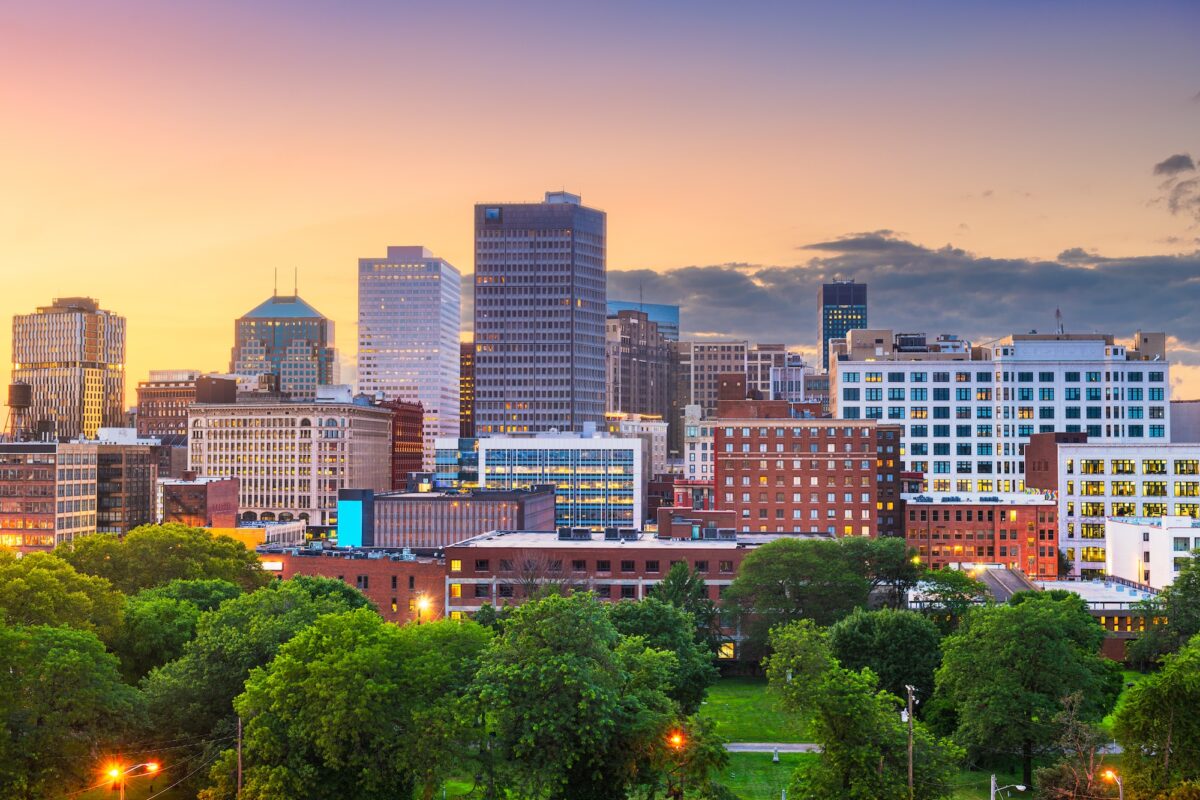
(1180, 162)
(944, 290)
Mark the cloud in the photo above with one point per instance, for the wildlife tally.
(1180, 162)
(932, 290)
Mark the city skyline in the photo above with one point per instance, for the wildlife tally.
(810, 147)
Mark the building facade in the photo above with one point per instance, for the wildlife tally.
(409, 319)
(666, 317)
(843, 309)
(968, 416)
(539, 316)
(599, 480)
(1150, 551)
(433, 520)
(466, 390)
(1017, 531)
(164, 397)
(653, 433)
(291, 459)
(408, 440)
(126, 475)
(47, 494)
(638, 364)
(286, 337)
(71, 354)
(199, 502)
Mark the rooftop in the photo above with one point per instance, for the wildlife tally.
(283, 307)
(1099, 590)
(638, 541)
(978, 498)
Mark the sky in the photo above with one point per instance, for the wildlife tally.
(978, 164)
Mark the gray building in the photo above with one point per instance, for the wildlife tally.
(666, 317)
(539, 316)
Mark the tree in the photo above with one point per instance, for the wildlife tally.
(864, 742)
(493, 617)
(193, 695)
(1158, 727)
(1006, 669)
(153, 632)
(900, 647)
(683, 588)
(41, 589)
(665, 627)
(887, 563)
(61, 703)
(156, 554)
(689, 758)
(791, 579)
(573, 709)
(1172, 618)
(356, 707)
(949, 594)
(1078, 775)
(204, 593)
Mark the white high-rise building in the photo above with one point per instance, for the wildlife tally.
(967, 414)
(409, 320)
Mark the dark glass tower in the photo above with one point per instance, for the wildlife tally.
(843, 309)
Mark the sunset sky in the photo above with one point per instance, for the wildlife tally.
(978, 164)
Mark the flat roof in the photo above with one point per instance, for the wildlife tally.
(976, 498)
(643, 541)
(1098, 590)
(475, 494)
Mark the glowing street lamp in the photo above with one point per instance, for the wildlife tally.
(121, 775)
(422, 604)
(1112, 777)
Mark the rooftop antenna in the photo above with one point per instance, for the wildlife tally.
(1058, 320)
(275, 289)
(295, 281)
(641, 288)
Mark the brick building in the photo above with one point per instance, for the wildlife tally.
(430, 520)
(408, 427)
(164, 397)
(127, 469)
(47, 494)
(400, 586)
(199, 502)
(1017, 531)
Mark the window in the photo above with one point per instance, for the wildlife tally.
(483, 590)
(482, 565)
(895, 393)
(1154, 466)
(456, 590)
(874, 395)
(455, 565)
(701, 566)
(850, 394)
(604, 565)
(628, 592)
(1157, 431)
(1149, 489)
(874, 377)
(578, 565)
(362, 581)
(627, 566)
(1188, 466)
(725, 566)
(652, 566)
(1072, 377)
(850, 377)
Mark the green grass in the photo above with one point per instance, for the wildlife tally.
(753, 776)
(1128, 677)
(746, 712)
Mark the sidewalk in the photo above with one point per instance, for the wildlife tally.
(770, 747)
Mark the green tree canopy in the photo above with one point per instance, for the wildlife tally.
(153, 632)
(1007, 668)
(665, 627)
(156, 554)
(683, 588)
(790, 579)
(575, 709)
(62, 704)
(1158, 725)
(900, 647)
(1172, 617)
(41, 589)
(864, 742)
(949, 594)
(356, 707)
(204, 593)
(887, 562)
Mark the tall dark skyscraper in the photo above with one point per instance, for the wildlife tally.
(466, 390)
(285, 336)
(843, 309)
(540, 306)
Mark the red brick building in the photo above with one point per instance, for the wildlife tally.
(200, 502)
(688, 523)
(1041, 458)
(163, 400)
(1016, 531)
(400, 588)
(408, 427)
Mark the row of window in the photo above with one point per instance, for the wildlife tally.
(987, 377)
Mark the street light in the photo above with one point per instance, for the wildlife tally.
(120, 776)
(422, 604)
(1112, 777)
(995, 792)
(676, 740)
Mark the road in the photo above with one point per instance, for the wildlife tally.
(770, 747)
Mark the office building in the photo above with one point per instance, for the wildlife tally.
(433, 520)
(164, 397)
(701, 364)
(653, 433)
(292, 458)
(698, 445)
(1096, 482)
(638, 364)
(456, 464)
(539, 316)
(71, 355)
(968, 413)
(1185, 421)
(762, 361)
(126, 473)
(599, 480)
(198, 502)
(787, 381)
(666, 317)
(288, 338)
(843, 309)
(47, 494)
(1150, 551)
(409, 319)
(466, 390)
(1017, 531)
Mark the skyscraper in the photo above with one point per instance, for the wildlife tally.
(638, 360)
(843, 309)
(287, 337)
(539, 315)
(72, 355)
(466, 390)
(666, 317)
(409, 318)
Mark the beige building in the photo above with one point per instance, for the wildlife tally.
(291, 458)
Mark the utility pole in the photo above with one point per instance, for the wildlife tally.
(992, 790)
(909, 689)
(239, 774)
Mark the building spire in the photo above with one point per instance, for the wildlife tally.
(275, 288)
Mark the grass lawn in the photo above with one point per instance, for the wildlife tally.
(753, 776)
(746, 712)
(1129, 677)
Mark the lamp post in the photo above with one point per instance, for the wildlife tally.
(121, 775)
(995, 791)
(422, 604)
(1112, 777)
(909, 719)
(677, 741)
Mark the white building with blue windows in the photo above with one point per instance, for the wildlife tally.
(967, 416)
